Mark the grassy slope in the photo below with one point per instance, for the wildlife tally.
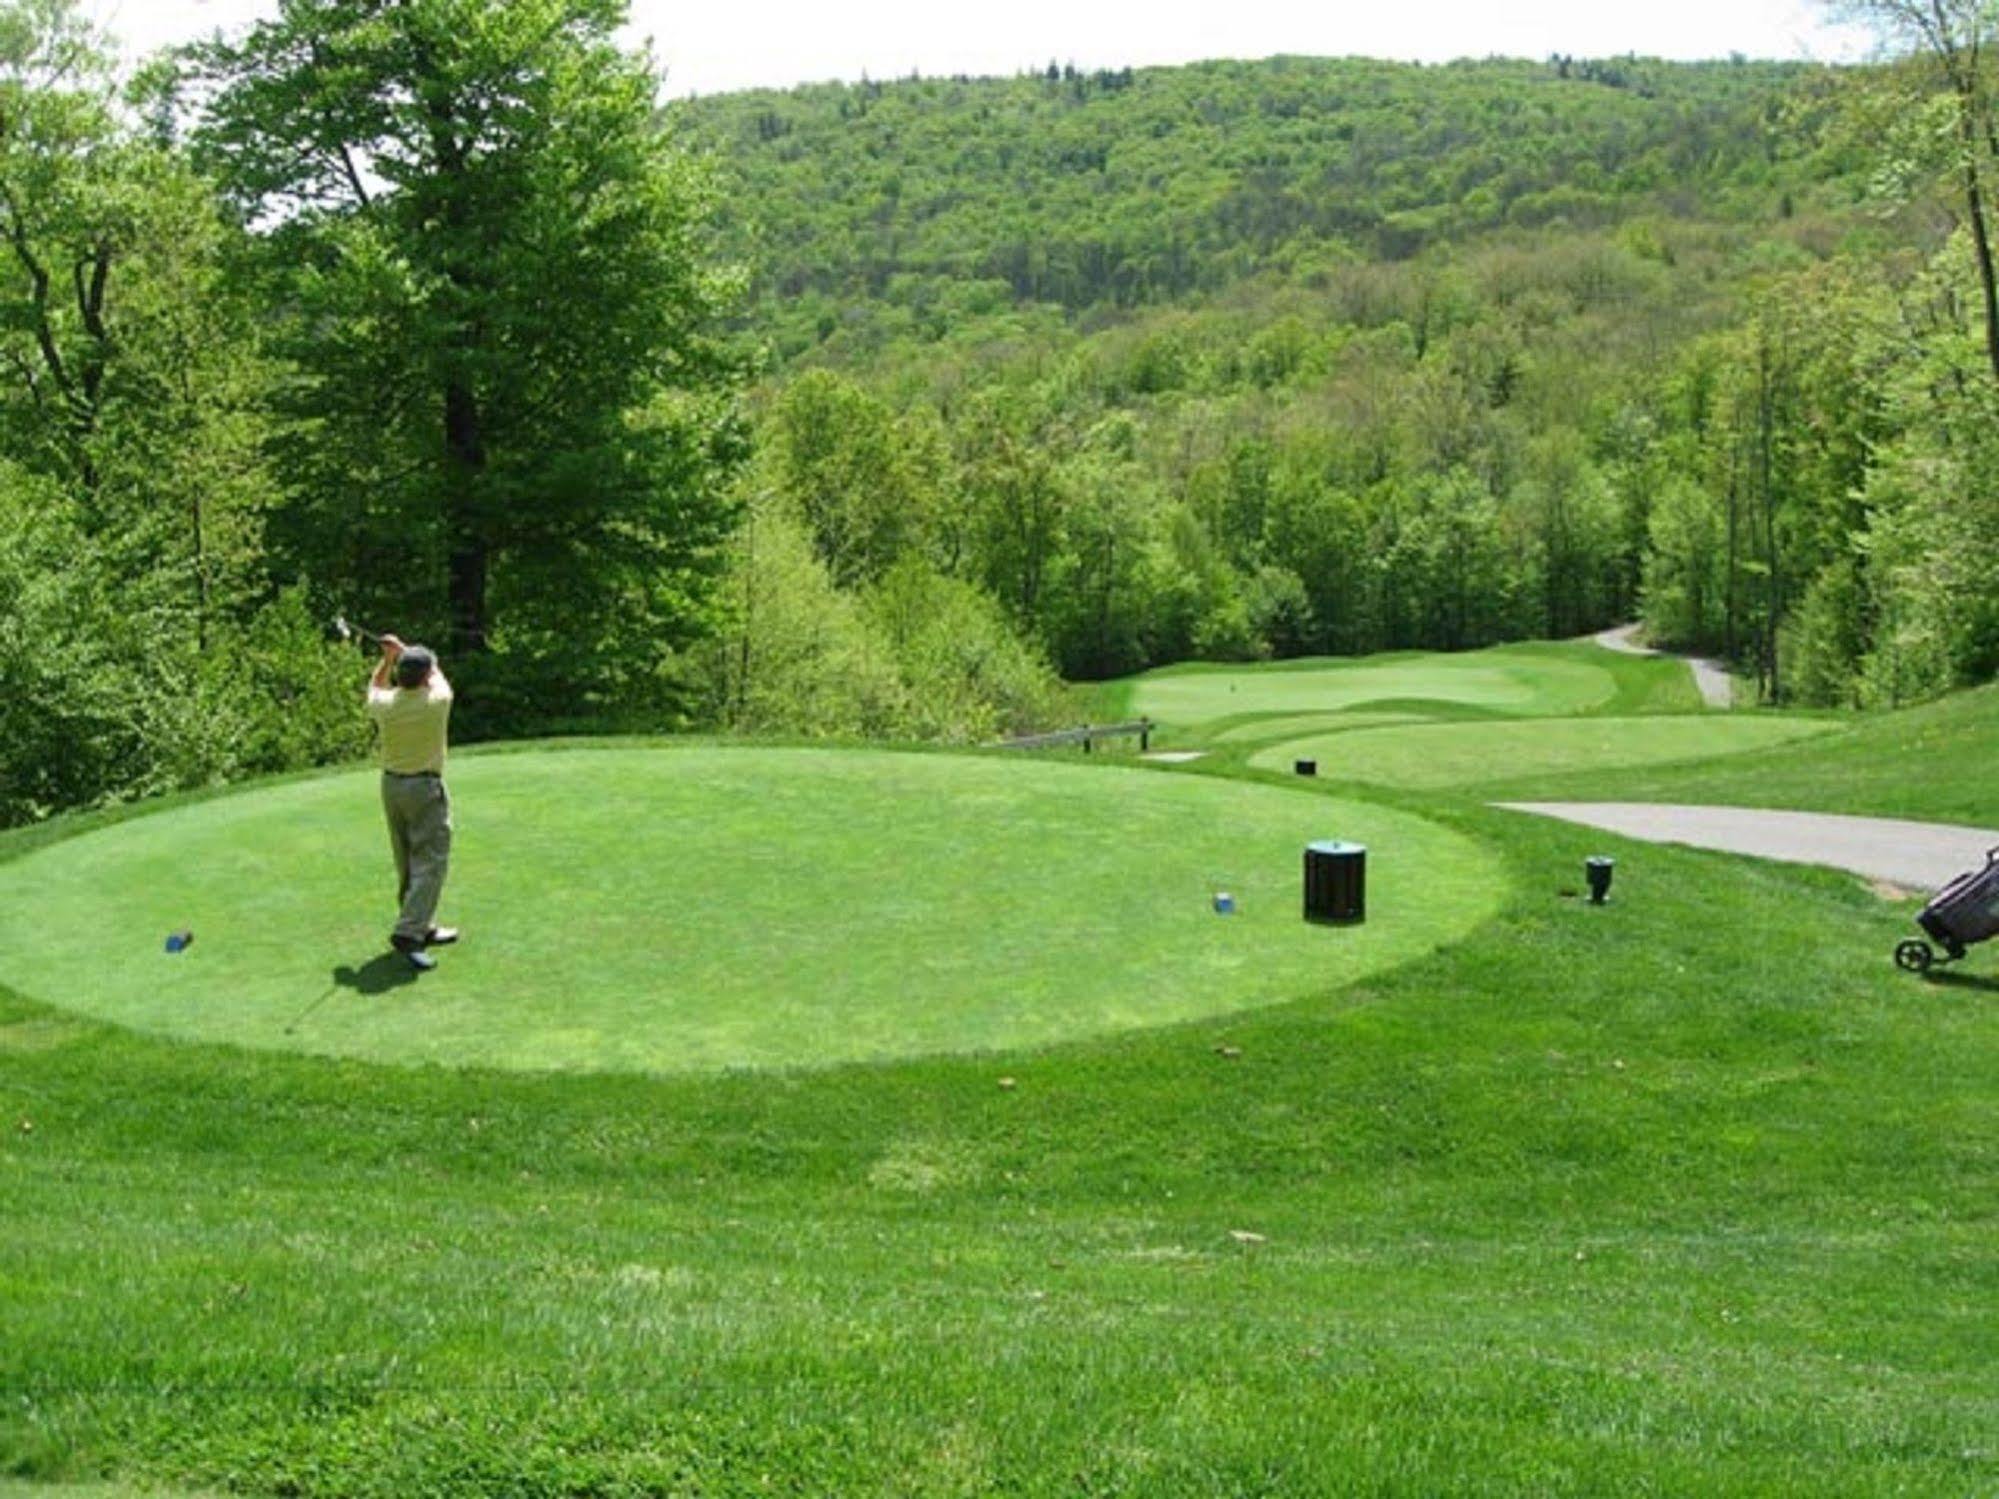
(1692, 1194)
(1935, 762)
(1438, 755)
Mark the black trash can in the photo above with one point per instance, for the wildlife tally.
(1305, 767)
(1336, 883)
(1597, 871)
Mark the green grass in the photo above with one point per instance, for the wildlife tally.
(1606, 1202)
(1933, 762)
(1266, 727)
(1529, 680)
(656, 910)
(1691, 1194)
(1439, 755)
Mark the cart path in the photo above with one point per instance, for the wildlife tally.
(1919, 855)
(1711, 677)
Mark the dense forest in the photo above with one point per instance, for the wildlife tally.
(1340, 356)
(880, 409)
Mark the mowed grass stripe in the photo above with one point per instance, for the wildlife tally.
(1488, 679)
(664, 910)
(1290, 726)
(1435, 756)
(1529, 680)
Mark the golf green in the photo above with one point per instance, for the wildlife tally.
(1431, 756)
(1504, 679)
(666, 909)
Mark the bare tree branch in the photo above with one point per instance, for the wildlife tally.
(38, 277)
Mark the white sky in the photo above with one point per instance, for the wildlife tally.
(710, 48)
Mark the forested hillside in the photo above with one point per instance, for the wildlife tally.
(1336, 355)
(943, 199)
(869, 409)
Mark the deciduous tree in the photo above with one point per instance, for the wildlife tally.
(511, 417)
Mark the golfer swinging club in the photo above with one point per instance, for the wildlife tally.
(410, 701)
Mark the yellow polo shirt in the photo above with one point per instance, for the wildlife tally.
(412, 722)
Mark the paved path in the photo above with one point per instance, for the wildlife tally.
(1624, 638)
(1711, 677)
(1919, 855)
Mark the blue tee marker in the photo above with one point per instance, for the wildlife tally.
(179, 941)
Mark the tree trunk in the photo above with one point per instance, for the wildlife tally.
(464, 459)
(749, 615)
(1730, 606)
(76, 398)
(1766, 420)
(464, 438)
(200, 575)
(1104, 605)
(1981, 236)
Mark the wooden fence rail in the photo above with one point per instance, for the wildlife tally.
(1086, 735)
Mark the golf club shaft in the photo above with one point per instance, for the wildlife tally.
(299, 1018)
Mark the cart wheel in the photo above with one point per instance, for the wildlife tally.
(1914, 957)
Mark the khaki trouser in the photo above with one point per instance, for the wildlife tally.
(419, 813)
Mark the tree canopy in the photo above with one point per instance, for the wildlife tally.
(489, 256)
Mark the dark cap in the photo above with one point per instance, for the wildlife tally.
(413, 666)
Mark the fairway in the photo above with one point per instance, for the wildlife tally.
(1505, 679)
(694, 909)
(1262, 729)
(1434, 756)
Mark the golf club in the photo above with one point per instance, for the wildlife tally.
(354, 632)
(300, 1017)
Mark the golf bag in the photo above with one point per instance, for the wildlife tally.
(1961, 915)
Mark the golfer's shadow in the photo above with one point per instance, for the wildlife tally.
(391, 970)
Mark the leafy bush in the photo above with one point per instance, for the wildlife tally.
(106, 693)
(967, 676)
(916, 656)
(67, 736)
(1825, 639)
(798, 656)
